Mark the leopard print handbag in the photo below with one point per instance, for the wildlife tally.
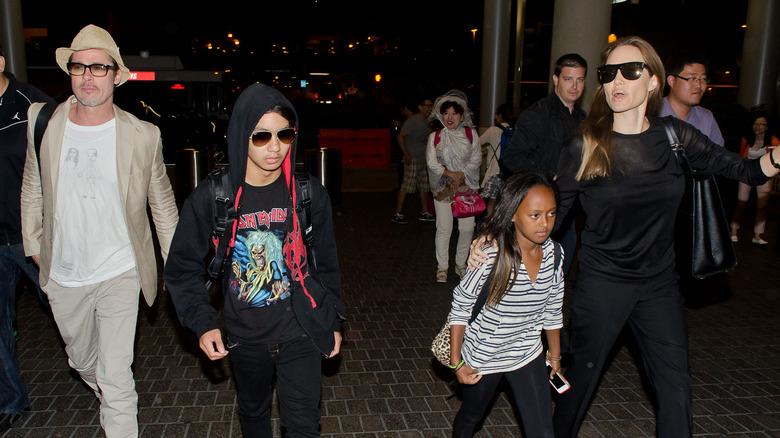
(441, 344)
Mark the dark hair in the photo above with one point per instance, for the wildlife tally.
(287, 113)
(676, 63)
(505, 111)
(500, 228)
(750, 136)
(570, 60)
(450, 104)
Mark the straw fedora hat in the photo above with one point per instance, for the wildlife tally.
(93, 37)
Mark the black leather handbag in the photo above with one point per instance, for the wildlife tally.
(702, 241)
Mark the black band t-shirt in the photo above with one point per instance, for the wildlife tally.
(257, 301)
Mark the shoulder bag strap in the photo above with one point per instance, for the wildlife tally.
(677, 147)
(41, 122)
(482, 298)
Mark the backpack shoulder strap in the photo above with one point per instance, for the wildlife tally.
(41, 122)
(224, 213)
(556, 255)
(469, 134)
(437, 137)
(303, 186)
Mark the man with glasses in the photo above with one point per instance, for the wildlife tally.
(686, 77)
(84, 222)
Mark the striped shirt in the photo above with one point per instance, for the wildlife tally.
(507, 337)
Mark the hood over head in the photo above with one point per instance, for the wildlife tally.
(250, 107)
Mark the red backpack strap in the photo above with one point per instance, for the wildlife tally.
(469, 134)
(437, 138)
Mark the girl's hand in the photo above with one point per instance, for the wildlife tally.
(555, 365)
(467, 375)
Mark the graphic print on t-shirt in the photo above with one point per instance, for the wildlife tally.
(259, 276)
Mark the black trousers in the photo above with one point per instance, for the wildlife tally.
(530, 391)
(297, 366)
(654, 312)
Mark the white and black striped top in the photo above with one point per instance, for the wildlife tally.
(508, 336)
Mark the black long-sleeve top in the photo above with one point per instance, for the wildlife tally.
(629, 229)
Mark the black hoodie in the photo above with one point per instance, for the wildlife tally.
(316, 295)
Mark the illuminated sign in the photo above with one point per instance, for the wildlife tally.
(141, 76)
(177, 87)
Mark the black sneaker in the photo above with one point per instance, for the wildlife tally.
(8, 420)
(427, 217)
(399, 219)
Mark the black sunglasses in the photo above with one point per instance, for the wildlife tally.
(261, 138)
(630, 71)
(96, 70)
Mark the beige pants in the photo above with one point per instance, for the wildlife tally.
(97, 323)
(444, 222)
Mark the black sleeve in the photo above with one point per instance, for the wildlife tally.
(709, 157)
(568, 186)
(327, 260)
(528, 137)
(184, 273)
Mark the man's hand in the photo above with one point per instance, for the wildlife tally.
(337, 347)
(37, 259)
(211, 344)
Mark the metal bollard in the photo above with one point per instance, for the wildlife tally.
(325, 165)
(191, 168)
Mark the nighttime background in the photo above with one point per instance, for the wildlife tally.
(417, 47)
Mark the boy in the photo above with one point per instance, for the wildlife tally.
(281, 313)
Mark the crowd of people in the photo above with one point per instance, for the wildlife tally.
(81, 175)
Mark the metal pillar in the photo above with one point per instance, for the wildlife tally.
(12, 38)
(581, 26)
(519, 44)
(495, 55)
(760, 55)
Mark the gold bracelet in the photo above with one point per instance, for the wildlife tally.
(553, 358)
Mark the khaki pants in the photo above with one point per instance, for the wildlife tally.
(97, 323)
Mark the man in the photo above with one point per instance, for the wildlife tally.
(15, 98)
(686, 76)
(542, 130)
(413, 139)
(87, 226)
(282, 301)
(544, 127)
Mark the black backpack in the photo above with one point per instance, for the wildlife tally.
(224, 214)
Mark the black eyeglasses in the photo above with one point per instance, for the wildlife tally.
(97, 70)
(630, 71)
(261, 138)
(701, 81)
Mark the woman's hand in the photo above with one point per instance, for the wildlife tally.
(458, 178)
(476, 256)
(467, 375)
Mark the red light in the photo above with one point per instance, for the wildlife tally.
(177, 87)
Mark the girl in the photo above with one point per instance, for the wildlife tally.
(754, 146)
(453, 156)
(524, 298)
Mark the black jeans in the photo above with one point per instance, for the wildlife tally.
(654, 312)
(530, 391)
(297, 365)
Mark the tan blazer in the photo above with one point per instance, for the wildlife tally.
(142, 177)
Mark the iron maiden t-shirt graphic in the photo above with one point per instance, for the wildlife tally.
(259, 274)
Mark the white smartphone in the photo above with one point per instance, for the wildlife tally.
(558, 381)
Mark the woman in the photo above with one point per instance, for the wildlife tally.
(491, 139)
(754, 146)
(524, 297)
(453, 157)
(623, 172)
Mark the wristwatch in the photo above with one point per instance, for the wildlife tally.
(772, 160)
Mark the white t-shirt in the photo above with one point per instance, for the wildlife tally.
(91, 243)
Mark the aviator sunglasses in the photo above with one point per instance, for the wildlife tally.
(630, 70)
(261, 138)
